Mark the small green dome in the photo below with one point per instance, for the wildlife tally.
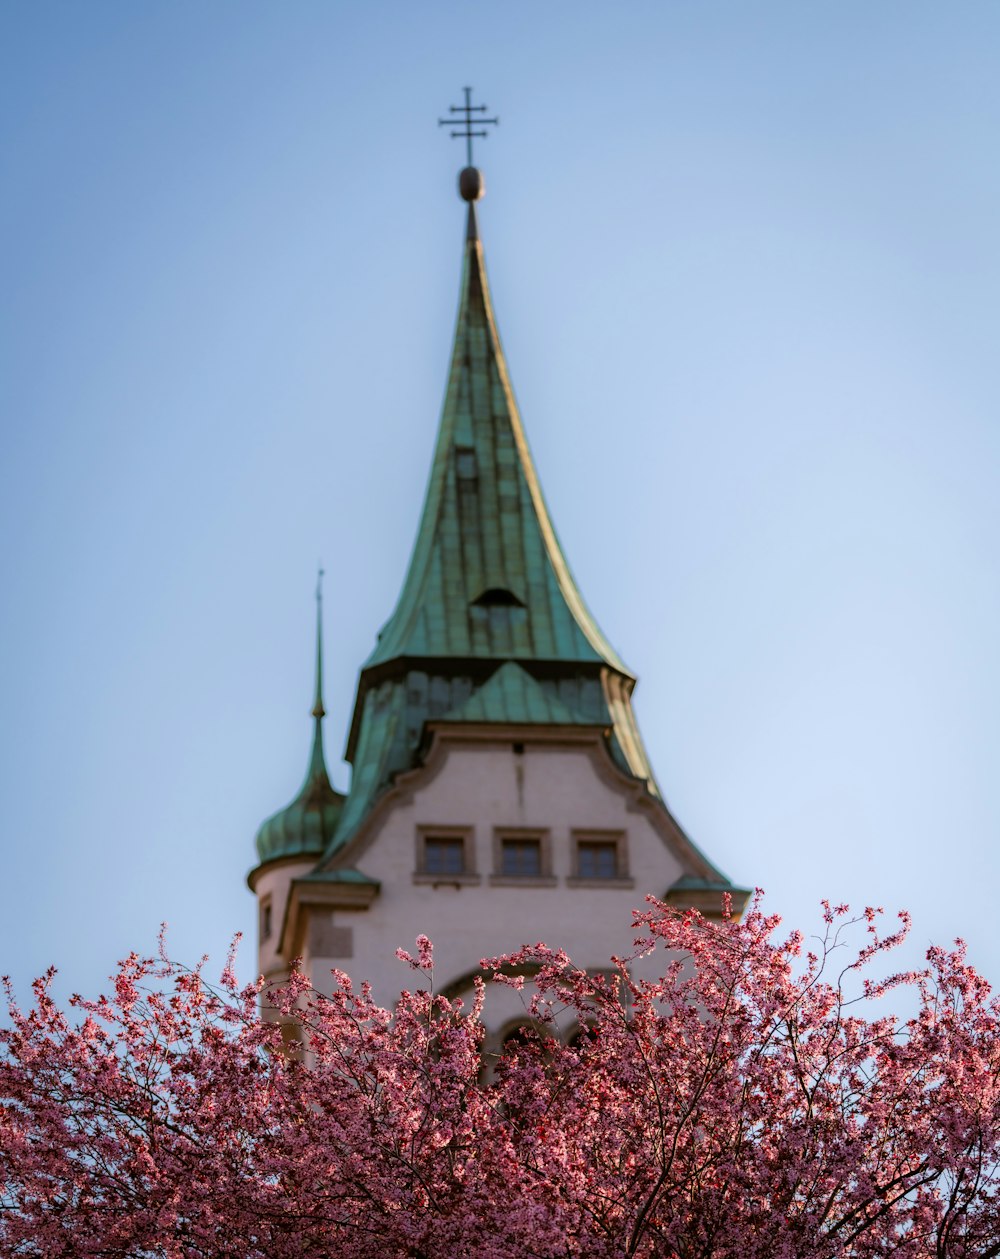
(305, 827)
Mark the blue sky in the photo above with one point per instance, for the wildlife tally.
(745, 263)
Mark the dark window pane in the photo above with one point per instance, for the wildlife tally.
(444, 856)
(465, 463)
(522, 857)
(598, 860)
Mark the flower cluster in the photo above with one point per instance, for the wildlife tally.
(751, 1101)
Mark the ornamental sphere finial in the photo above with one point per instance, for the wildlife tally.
(471, 184)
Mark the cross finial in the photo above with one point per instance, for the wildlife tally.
(469, 124)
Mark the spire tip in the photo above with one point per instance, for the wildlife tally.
(318, 711)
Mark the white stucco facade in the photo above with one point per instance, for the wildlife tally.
(482, 785)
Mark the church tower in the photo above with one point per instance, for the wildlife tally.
(500, 790)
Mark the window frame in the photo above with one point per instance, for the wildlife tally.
(580, 838)
(466, 835)
(542, 837)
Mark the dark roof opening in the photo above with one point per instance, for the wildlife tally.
(497, 597)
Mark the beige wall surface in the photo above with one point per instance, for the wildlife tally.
(559, 792)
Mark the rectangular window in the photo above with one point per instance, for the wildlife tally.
(521, 858)
(444, 856)
(600, 857)
(597, 859)
(265, 918)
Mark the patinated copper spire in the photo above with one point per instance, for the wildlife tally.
(308, 824)
(318, 711)
(488, 584)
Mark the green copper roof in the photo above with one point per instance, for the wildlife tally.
(513, 697)
(345, 874)
(487, 577)
(487, 585)
(306, 826)
(385, 745)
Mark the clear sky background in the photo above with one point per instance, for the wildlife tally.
(745, 262)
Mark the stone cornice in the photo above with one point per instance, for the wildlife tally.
(308, 893)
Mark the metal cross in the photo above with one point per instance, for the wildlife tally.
(465, 130)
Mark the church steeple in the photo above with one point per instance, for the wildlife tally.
(493, 745)
(488, 583)
(488, 578)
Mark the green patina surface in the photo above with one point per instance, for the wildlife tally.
(488, 578)
(307, 825)
(513, 697)
(490, 625)
(346, 874)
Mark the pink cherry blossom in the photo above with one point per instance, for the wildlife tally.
(754, 1100)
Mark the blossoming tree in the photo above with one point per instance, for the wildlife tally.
(751, 1102)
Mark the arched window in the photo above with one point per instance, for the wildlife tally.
(582, 1037)
(518, 1037)
(525, 1037)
